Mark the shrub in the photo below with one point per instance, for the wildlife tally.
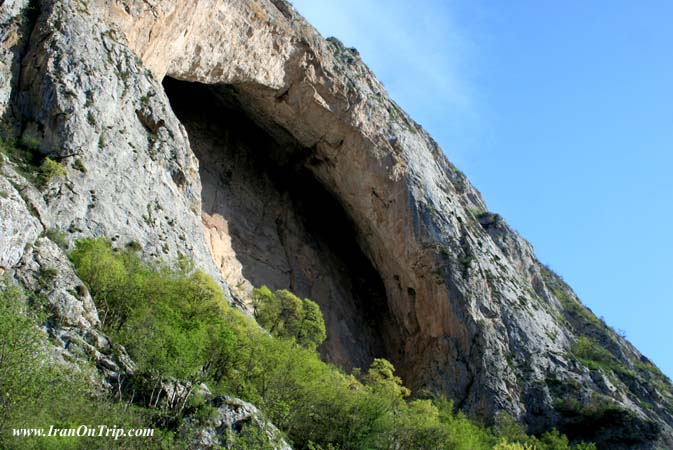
(58, 237)
(46, 276)
(134, 246)
(252, 437)
(170, 321)
(505, 445)
(284, 315)
(175, 323)
(25, 160)
(36, 392)
(508, 429)
(593, 355)
(79, 165)
(111, 279)
(20, 350)
(50, 170)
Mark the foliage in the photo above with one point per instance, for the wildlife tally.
(30, 163)
(251, 438)
(36, 392)
(595, 408)
(509, 429)
(284, 315)
(513, 437)
(58, 237)
(50, 170)
(176, 324)
(488, 219)
(25, 159)
(30, 142)
(79, 165)
(170, 321)
(505, 445)
(583, 418)
(592, 354)
(112, 279)
(20, 351)
(590, 349)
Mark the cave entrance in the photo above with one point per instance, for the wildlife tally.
(269, 221)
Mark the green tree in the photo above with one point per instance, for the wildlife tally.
(170, 320)
(285, 315)
(112, 279)
(290, 316)
(311, 332)
(419, 427)
(21, 352)
(266, 307)
(37, 391)
(176, 324)
(509, 429)
(381, 378)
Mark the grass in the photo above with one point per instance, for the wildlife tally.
(647, 366)
(24, 159)
(576, 310)
(593, 355)
(590, 351)
(79, 165)
(29, 163)
(58, 237)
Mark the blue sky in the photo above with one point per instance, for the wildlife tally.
(561, 114)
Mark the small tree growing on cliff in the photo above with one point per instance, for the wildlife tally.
(311, 332)
(285, 315)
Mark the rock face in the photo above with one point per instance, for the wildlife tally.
(273, 156)
(268, 221)
(232, 416)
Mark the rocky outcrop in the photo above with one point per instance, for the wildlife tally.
(232, 419)
(72, 321)
(16, 20)
(18, 227)
(303, 174)
(85, 100)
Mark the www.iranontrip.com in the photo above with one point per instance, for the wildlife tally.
(84, 431)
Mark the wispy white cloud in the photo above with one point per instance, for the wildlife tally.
(419, 52)
(406, 41)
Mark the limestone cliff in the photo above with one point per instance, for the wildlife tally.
(231, 131)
